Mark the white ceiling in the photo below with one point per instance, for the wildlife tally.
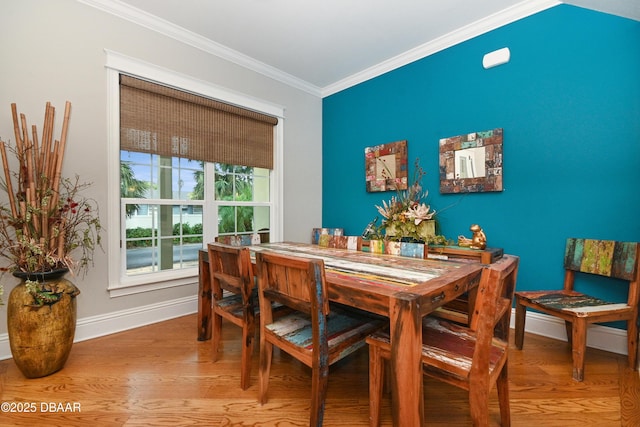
(328, 45)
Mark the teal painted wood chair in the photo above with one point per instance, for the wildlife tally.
(315, 332)
(474, 357)
(607, 258)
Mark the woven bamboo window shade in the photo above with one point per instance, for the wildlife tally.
(169, 122)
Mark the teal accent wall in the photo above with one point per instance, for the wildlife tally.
(569, 104)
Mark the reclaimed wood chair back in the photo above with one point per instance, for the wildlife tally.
(472, 357)
(352, 243)
(324, 233)
(240, 239)
(314, 332)
(606, 258)
(293, 281)
(232, 288)
(407, 249)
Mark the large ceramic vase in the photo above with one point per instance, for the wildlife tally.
(41, 332)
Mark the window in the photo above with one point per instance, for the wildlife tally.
(172, 201)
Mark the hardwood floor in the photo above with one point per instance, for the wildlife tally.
(160, 375)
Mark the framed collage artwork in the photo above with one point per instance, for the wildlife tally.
(471, 163)
(386, 167)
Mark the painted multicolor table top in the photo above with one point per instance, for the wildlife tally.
(365, 266)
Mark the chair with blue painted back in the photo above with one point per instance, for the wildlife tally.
(315, 332)
(589, 257)
(406, 249)
(240, 239)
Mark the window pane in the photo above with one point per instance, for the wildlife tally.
(235, 219)
(261, 185)
(167, 237)
(226, 220)
(244, 219)
(135, 175)
(234, 182)
(223, 182)
(187, 179)
(243, 184)
(261, 218)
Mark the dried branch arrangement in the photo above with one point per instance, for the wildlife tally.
(46, 219)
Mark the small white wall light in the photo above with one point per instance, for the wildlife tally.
(497, 57)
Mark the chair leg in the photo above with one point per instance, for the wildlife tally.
(216, 335)
(266, 353)
(248, 333)
(578, 347)
(376, 379)
(319, 382)
(479, 406)
(521, 312)
(632, 342)
(502, 384)
(569, 328)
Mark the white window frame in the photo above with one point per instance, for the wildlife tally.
(116, 63)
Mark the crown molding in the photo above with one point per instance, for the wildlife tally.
(159, 25)
(504, 17)
(484, 25)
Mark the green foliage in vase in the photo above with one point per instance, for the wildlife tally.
(406, 215)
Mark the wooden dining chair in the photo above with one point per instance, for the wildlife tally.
(588, 257)
(318, 233)
(472, 357)
(457, 310)
(240, 239)
(352, 243)
(232, 288)
(315, 332)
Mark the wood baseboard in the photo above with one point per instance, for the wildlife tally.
(598, 336)
(118, 321)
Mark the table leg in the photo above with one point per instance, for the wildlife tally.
(204, 297)
(406, 365)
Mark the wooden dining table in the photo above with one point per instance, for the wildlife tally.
(403, 289)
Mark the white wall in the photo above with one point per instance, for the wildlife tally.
(54, 51)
